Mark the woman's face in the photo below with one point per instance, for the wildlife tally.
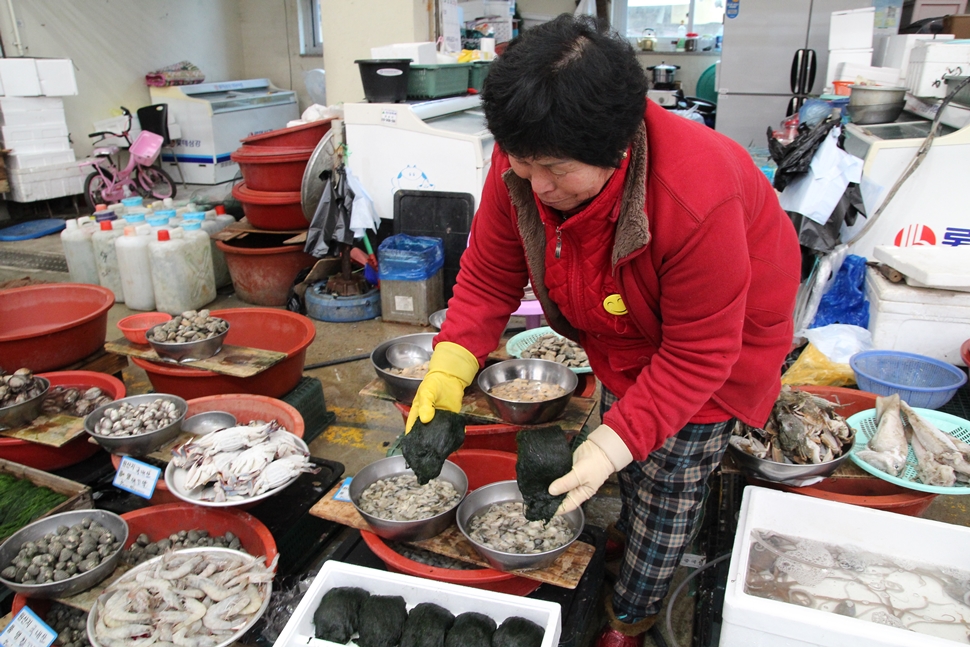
(562, 184)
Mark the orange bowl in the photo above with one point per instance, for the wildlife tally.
(135, 326)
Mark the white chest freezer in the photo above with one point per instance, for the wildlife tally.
(438, 145)
(213, 117)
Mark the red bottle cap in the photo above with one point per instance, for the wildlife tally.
(100, 207)
(105, 225)
(220, 209)
(163, 234)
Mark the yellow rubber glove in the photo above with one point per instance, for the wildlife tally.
(603, 453)
(451, 369)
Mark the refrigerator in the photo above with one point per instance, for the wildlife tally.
(774, 55)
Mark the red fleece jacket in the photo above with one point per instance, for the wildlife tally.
(709, 298)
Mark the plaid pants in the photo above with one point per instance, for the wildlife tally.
(661, 500)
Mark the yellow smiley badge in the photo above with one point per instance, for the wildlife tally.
(614, 305)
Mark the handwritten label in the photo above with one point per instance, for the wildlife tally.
(27, 630)
(343, 494)
(136, 477)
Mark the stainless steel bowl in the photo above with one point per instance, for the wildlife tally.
(207, 422)
(874, 95)
(501, 492)
(141, 444)
(437, 318)
(76, 583)
(265, 590)
(789, 474)
(406, 530)
(528, 413)
(17, 415)
(402, 388)
(190, 351)
(881, 113)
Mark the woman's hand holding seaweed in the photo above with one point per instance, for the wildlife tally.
(603, 453)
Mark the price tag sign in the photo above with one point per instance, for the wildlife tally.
(27, 630)
(137, 477)
(343, 494)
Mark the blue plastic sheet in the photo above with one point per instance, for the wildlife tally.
(410, 258)
(846, 302)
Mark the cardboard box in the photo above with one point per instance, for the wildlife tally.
(19, 77)
(958, 25)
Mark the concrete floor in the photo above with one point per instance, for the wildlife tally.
(365, 426)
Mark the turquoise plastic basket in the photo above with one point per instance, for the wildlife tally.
(865, 425)
(523, 340)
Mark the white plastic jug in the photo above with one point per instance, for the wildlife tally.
(106, 258)
(210, 227)
(79, 253)
(174, 278)
(134, 266)
(173, 220)
(198, 252)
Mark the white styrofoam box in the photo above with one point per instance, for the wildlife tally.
(918, 320)
(49, 145)
(852, 29)
(897, 49)
(839, 57)
(19, 77)
(45, 182)
(931, 61)
(457, 599)
(33, 117)
(419, 53)
(750, 621)
(56, 77)
(10, 105)
(33, 160)
(13, 135)
(931, 266)
(880, 75)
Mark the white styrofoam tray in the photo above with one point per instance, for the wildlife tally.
(936, 266)
(751, 621)
(457, 599)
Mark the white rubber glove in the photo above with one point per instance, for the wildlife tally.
(603, 453)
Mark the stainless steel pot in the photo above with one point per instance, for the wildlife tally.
(663, 75)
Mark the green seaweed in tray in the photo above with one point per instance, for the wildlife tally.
(426, 446)
(471, 630)
(21, 502)
(518, 632)
(336, 619)
(427, 626)
(544, 456)
(382, 619)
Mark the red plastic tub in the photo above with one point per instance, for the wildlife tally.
(482, 467)
(46, 327)
(302, 136)
(272, 168)
(279, 330)
(263, 275)
(44, 457)
(135, 327)
(271, 210)
(965, 352)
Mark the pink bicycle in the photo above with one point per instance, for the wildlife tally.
(108, 184)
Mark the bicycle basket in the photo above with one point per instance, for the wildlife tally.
(146, 147)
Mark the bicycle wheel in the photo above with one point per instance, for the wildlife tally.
(93, 188)
(156, 183)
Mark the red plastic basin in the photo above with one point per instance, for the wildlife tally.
(263, 275)
(965, 352)
(272, 168)
(302, 136)
(482, 467)
(866, 492)
(44, 457)
(279, 330)
(271, 210)
(134, 327)
(46, 327)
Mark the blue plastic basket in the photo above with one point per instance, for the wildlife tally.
(921, 381)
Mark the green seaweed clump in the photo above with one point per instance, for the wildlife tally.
(544, 456)
(427, 446)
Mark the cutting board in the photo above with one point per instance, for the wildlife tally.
(937, 266)
(566, 571)
(53, 431)
(237, 361)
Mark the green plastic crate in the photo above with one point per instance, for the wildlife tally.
(476, 77)
(432, 81)
(307, 398)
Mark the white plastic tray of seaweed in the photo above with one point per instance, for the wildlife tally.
(457, 599)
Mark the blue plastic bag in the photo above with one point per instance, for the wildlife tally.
(845, 302)
(410, 258)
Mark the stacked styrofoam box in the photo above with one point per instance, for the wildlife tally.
(850, 40)
(931, 61)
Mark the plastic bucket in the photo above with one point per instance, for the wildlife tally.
(385, 80)
(263, 275)
(272, 168)
(302, 136)
(272, 210)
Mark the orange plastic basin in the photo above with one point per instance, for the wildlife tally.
(50, 326)
(302, 136)
(272, 168)
(269, 329)
(135, 327)
(263, 275)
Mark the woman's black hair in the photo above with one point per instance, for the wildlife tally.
(569, 88)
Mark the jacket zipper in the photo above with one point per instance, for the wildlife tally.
(558, 240)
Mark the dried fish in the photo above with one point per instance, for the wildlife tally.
(523, 390)
(400, 498)
(557, 349)
(503, 527)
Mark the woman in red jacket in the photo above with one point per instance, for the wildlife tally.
(657, 245)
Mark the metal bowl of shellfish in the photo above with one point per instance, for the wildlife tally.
(26, 393)
(183, 349)
(402, 383)
(406, 530)
(479, 502)
(141, 440)
(81, 580)
(546, 390)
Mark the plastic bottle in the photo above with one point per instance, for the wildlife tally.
(681, 37)
(212, 226)
(173, 220)
(188, 207)
(106, 258)
(135, 205)
(198, 252)
(224, 217)
(157, 223)
(135, 267)
(171, 274)
(79, 253)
